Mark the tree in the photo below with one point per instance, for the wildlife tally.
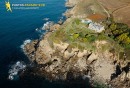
(122, 26)
(113, 26)
(75, 36)
(127, 40)
(123, 38)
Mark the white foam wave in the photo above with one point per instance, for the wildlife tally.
(36, 29)
(47, 25)
(25, 42)
(44, 29)
(86, 76)
(15, 69)
(46, 19)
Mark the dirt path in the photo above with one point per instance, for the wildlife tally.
(120, 8)
(107, 12)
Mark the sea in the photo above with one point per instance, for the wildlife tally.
(19, 27)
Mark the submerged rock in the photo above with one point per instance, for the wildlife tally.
(15, 69)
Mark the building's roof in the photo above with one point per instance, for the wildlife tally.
(95, 26)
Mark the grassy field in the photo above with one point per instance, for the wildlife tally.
(119, 9)
(88, 7)
(78, 35)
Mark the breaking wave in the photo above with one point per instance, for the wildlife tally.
(46, 19)
(44, 29)
(15, 69)
(47, 25)
(24, 43)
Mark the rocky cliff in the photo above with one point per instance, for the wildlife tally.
(71, 3)
(60, 61)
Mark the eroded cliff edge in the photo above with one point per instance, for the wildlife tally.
(74, 50)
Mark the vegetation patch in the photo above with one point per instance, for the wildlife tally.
(77, 35)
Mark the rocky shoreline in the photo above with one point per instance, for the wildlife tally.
(59, 61)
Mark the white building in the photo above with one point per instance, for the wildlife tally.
(96, 27)
(88, 21)
(93, 25)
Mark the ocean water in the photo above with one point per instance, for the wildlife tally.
(18, 26)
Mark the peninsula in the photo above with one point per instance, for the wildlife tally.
(93, 42)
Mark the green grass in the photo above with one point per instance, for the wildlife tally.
(100, 85)
(79, 36)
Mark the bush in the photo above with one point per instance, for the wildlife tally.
(75, 36)
(91, 38)
(77, 21)
(102, 37)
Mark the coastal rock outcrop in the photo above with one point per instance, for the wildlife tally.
(59, 60)
(71, 3)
